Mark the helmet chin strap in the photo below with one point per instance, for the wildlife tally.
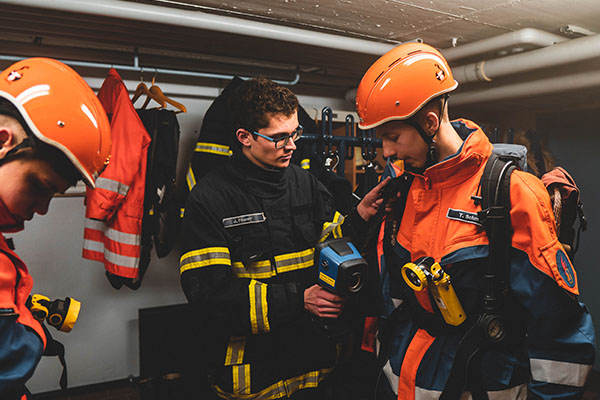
(428, 139)
(28, 142)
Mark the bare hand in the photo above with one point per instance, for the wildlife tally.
(322, 303)
(369, 205)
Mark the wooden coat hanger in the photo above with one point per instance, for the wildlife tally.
(158, 93)
(141, 90)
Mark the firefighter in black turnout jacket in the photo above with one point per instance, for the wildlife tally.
(247, 266)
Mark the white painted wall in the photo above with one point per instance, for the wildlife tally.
(103, 345)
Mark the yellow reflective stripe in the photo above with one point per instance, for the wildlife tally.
(203, 258)
(181, 212)
(190, 178)
(258, 307)
(256, 270)
(235, 350)
(334, 227)
(293, 261)
(213, 148)
(305, 163)
(278, 390)
(241, 379)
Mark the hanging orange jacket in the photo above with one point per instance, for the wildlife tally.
(114, 212)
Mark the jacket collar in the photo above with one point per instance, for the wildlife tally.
(467, 161)
(265, 183)
(8, 222)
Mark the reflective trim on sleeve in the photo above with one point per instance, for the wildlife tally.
(258, 307)
(213, 148)
(113, 258)
(241, 379)
(283, 263)
(293, 261)
(256, 270)
(235, 350)
(305, 163)
(281, 389)
(204, 258)
(113, 234)
(559, 372)
(334, 227)
(190, 178)
(112, 185)
(514, 393)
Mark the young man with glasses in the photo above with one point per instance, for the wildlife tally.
(247, 267)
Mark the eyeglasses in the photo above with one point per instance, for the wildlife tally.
(282, 141)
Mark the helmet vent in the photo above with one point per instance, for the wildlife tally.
(379, 76)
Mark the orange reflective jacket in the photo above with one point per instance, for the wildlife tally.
(115, 208)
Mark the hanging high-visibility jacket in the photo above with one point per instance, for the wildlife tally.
(22, 338)
(248, 246)
(114, 210)
(550, 348)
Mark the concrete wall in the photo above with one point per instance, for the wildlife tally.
(103, 345)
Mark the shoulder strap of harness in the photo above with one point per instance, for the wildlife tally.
(489, 327)
(495, 218)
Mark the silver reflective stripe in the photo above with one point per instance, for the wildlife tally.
(425, 394)
(391, 377)
(112, 185)
(213, 148)
(559, 372)
(113, 234)
(259, 309)
(256, 270)
(294, 261)
(113, 258)
(122, 261)
(335, 226)
(241, 379)
(190, 179)
(204, 258)
(93, 245)
(235, 350)
(514, 393)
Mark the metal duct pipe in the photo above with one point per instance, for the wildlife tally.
(583, 80)
(526, 36)
(201, 20)
(568, 52)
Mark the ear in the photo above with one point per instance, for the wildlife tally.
(243, 136)
(431, 122)
(8, 140)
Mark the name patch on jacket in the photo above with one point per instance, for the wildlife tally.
(255, 218)
(464, 216)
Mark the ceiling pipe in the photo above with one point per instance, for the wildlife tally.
(583, 80)
(568, 52)
(526, 36)
(201, 20)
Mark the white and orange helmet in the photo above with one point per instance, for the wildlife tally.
(61, 110)
(400, 82)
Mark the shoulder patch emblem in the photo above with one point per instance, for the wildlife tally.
(464, 216)
(245, 219)
(565, 269)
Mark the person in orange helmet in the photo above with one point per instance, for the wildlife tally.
(53, 133)
(542, 342)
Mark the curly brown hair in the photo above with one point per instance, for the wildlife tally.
(256, 98)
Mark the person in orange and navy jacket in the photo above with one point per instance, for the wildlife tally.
(247, 268)
(550, 341)
(114, 209)
(53, 132)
